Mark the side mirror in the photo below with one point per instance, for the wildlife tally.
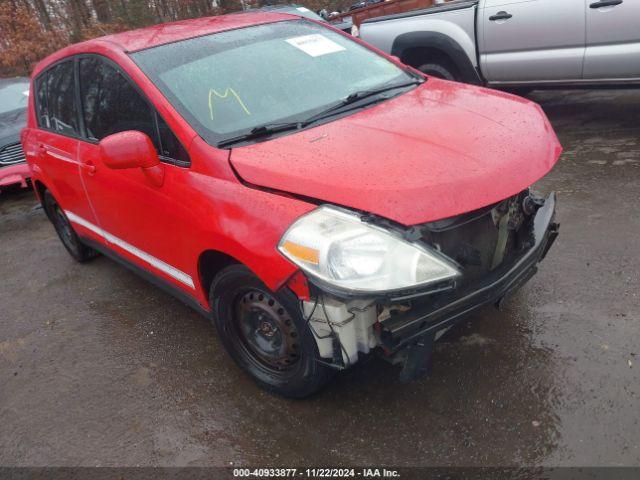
(132, 149)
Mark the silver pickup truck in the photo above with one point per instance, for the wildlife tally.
(517, 43)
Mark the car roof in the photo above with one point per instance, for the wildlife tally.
(155, 35)
(134, 40)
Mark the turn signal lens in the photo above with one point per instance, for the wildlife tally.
(337, 248)
(302, 253)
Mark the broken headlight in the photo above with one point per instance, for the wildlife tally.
(337, 248)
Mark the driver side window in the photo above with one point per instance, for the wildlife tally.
(111, 104)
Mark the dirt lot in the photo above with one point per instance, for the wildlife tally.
(98, 367)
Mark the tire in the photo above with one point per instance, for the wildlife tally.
(69, 238)
(519, 91)
(266, 334)
(439, 71)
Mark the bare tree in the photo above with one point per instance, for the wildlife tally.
(31, 29)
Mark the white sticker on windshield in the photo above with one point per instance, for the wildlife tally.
(315, 45)
(302, 9)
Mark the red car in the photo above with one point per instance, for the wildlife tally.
(312, 196)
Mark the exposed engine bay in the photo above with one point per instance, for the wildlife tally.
(497, 249)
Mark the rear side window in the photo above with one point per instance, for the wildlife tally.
(41, 102)
(56, 100)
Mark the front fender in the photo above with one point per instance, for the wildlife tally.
(244, 223)
(457, 52)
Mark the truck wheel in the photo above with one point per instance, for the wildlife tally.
(65, 231)
(266, 334)
(520, 91)
(439, 71)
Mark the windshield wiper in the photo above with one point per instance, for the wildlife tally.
(260, 131)
(374, 91)
(271, 128)
(356, 97)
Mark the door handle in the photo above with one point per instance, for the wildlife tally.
(605, 3)
(503, 16)
(89, 167)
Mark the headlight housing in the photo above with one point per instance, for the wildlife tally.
(337, 248)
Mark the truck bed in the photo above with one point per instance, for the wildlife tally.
(380, 9)
(445, 7)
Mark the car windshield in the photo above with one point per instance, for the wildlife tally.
(14, 96)
(228, 83)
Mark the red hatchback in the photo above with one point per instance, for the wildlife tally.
(315, 198)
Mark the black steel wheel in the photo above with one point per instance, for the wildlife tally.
(445, 72)
(65, 231)
(265, 333)
(266, 330)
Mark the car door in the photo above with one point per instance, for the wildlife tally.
(532, 40)
(57, 139)
(145, 223)
(613, 39)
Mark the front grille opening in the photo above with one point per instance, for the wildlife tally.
(11, 154)
(483, 240)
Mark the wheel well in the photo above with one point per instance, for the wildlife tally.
(40, 188)
(420, 55)
(209, 264)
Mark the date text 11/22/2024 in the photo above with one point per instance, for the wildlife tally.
(316, 472)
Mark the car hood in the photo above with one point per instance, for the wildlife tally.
(440, 150)
(11, 123)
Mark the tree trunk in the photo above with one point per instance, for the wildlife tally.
(103, 11)
(78, 16)
(43, 13)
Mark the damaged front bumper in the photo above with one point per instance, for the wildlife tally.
(401, 329)
(345, 328)
(13, 174)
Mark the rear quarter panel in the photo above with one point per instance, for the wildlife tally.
(459, 25)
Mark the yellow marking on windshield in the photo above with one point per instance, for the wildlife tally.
(226, 93)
